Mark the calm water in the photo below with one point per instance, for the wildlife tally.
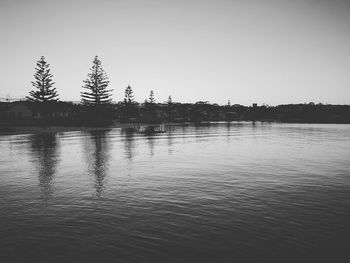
(193, 194)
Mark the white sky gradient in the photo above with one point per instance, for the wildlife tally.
(272, 51)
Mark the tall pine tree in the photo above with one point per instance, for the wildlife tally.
(43, 82)
(170, 101)
(130, 106)
(96, 84)
(151, 99)
(128, 95)
(170, 106)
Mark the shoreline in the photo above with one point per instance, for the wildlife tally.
(22, 130)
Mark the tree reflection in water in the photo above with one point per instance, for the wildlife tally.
(228, 126)
(43, 149)
(170, 139)
(129, 143)
(150, 141)
(97, 156)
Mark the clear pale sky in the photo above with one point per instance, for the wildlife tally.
(273, 51)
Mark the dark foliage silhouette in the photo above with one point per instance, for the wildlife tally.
(129, 95)
(96, 85)
(97, 108)
(170, 107)
(151, 99)
(43, 83)
(130, 107)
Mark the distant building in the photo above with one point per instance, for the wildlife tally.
(255, 105)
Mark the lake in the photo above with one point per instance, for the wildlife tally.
(196, 193)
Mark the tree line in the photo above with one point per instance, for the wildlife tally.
(96, 92)
(96, 105)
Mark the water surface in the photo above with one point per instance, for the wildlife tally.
(210, 193)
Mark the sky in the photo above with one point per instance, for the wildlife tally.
(251, 51)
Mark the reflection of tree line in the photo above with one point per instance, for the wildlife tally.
(44, 149)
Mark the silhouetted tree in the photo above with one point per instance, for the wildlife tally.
(96, 84)
(129, 95)
(43, 82)
(150, 102)
(149, 114)
(130, 109)
(151, 99)
(170, 100)
(170, 106)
